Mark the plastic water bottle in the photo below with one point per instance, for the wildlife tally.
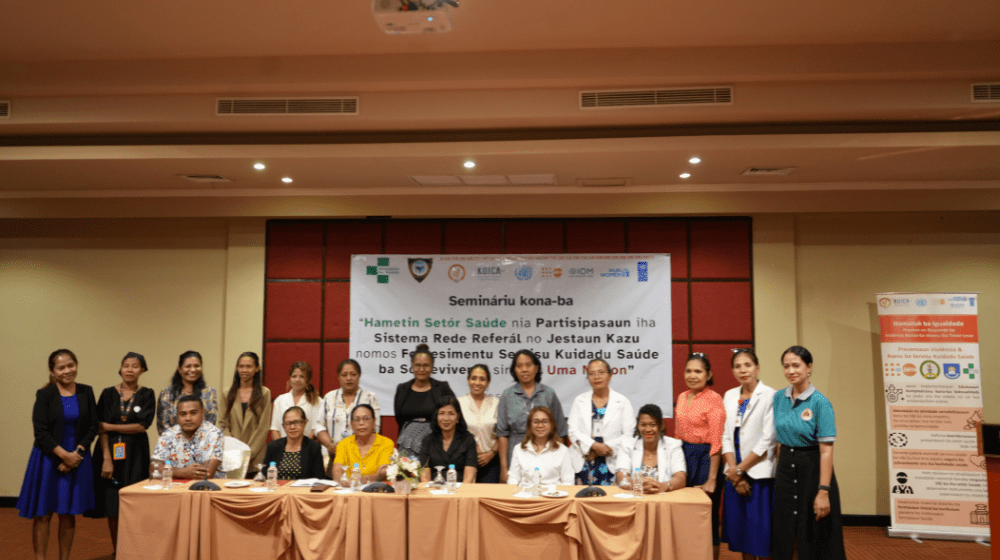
(637, 483)
(168, 475)
(272, 477)
(156, 479)
(452, 480)
(356, 477)
(536, 483)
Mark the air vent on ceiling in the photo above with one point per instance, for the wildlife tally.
(4, 109)
(767, 171)
(205, 178)
(620, 99)
(986, 93)
(287, 106)
(605, 182)
(536, 179)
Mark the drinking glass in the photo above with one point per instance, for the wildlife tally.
(525, 484)
(259, 479)
(438, 479)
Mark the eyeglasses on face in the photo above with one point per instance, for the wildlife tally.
(540, 421)
(362, 418)
(738, 350)
(293, 423)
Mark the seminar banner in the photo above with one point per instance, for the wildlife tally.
(472, 309)
(933, 399)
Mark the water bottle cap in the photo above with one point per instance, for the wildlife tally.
(536, 468)
(451, 466)
(169, 464)
(273, 464)
(357, 464)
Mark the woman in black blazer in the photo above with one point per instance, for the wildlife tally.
(415, 402)
(295, 455)
(60, 477)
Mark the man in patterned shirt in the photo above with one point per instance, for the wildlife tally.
(193, 446)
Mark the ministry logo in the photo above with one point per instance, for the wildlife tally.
(420, 268)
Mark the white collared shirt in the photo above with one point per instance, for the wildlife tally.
(669, 457)
(286, 401)
(555, 464)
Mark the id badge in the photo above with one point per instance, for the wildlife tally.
(597, 429)
(119, 451)
(739, 420)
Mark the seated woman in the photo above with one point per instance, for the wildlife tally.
(659, 456)
(541, 449)
(449, 443)
(296, 455)
(369, 450)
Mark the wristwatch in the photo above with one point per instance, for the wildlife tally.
(739, 472)
(79, 451)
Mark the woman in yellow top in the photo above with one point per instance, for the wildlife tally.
(366, 448)
(247, 415)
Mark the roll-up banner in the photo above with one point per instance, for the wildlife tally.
(933, 399)
(472, 309)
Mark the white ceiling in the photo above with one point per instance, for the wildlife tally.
(114, 100)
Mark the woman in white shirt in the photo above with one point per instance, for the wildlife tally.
(541, 449)
(599, 421)
(748, 448)
(480, 411)
(660, 458)
(332, 423)
(302, 394)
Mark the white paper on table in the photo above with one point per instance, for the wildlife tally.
(261, 489)
(308, 482)
(523, 495)
(441, 492)
(344, 491)
(625, 496)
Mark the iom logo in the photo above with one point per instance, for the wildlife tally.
(523, 272)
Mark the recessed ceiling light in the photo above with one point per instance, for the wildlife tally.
(286, 179)
(695, 159)
(259, 166)
(469, 164)
(685, 175)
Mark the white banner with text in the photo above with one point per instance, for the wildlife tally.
(933, 399)
(472, 309)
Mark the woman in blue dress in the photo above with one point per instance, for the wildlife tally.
(600, 421)
(59, 478)
(748, 451)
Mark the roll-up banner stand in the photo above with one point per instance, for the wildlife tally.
(933, 399)
(472, 309)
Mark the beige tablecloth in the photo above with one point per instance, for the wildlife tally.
(485, 521)
(236, 523)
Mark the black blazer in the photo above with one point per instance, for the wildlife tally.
(47, 418)
(438, 389)
(310, 458)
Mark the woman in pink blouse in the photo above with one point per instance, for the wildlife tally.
(700, 418)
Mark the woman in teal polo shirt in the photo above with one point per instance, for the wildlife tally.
(807, 501)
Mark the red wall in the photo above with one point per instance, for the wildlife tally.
(306, 309)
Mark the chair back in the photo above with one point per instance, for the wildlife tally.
(236, 454)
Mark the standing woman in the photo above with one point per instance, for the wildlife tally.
(302, 394)
(806, 497)
(414, 402)
(124, 413)
(60, 478)
(516, 401)
(248, 419)
(481, 417)
(600, 420)
(748, 449)
(699, 420)
(333, 423)
(187, 380)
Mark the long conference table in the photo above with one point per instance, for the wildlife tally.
(480, 522)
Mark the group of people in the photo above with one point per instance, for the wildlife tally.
(770, 453)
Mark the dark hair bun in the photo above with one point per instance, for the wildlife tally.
(421, 348)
